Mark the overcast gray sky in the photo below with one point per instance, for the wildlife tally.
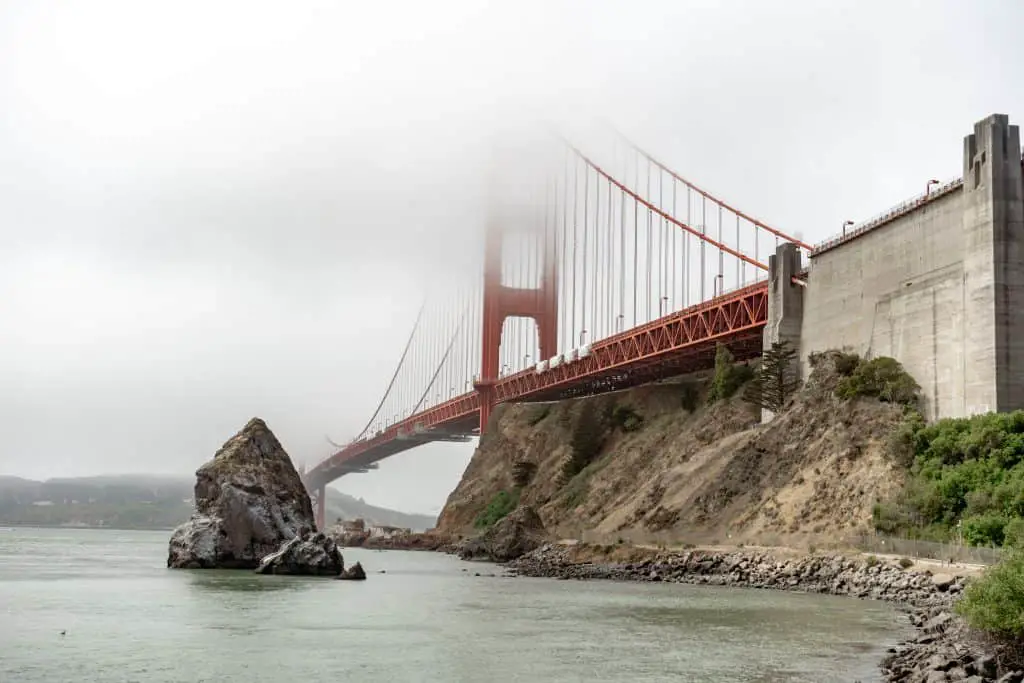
(214, 210)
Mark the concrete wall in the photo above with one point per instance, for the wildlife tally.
(940, 287)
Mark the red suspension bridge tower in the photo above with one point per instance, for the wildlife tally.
(500, 302)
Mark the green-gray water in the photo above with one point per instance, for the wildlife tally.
(127, 618)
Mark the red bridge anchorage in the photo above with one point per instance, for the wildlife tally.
(620, 281)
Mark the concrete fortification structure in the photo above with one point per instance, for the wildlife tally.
(937, 284)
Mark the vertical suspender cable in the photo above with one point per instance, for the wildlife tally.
(703, 244)
(610, 289)
(648, 268)
(741, 272)
(636, 232)
(757, 256)
(583, 291)
(594, 306)
(622, 257)
(563, 259)
(675, 264)
(575, 239)
(721, 254)
(662, 250)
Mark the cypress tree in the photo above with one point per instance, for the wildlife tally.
(776, 380)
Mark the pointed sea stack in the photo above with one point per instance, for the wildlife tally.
(249, 502)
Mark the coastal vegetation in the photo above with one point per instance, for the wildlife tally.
(729, 376)
(994, 603)
(965, 480)
(497, 509)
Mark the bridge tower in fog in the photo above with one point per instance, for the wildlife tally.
(522, 284)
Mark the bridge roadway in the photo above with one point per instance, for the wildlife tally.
(678, 343)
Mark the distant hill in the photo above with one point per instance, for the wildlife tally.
(143, 502)
(344, 506)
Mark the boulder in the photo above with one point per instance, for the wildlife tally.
(249, 501)
(474, 548)
(516, 534)
(354, 573)
(312, 555)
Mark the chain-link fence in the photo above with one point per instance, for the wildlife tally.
(867, 543)
(932, 550)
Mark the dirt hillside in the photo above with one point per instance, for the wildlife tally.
(658, 472)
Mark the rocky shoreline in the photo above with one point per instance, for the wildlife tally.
(941, 651)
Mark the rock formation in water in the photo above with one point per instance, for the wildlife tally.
(314, 554)
(514, 535)
(354, 573)
(249, 501)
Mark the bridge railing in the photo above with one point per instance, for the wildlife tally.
(895, 212)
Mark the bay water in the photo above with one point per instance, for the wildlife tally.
(100, 605)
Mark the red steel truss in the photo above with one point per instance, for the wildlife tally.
(674, 344)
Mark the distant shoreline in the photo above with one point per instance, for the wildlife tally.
(83, 527)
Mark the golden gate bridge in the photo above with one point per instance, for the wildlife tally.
(598, 272)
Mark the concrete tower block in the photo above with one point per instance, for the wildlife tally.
(785, 302)
(785, 299)
(993, 230)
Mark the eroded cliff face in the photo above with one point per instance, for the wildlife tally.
(660, 472)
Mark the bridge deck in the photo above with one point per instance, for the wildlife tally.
(675, 344)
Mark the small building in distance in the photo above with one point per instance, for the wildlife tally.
(383, 531)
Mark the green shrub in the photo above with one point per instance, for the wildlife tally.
(883, 378)
(890, 517)
(984, 529)
(903, 439)
(503, 503)
(1013, 534)
(872, 561)
(626, 419)
(906, 562)
(995, 602)
(728, 376)
(846, 363)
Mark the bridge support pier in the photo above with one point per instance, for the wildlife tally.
(320, 507)
(785, 303)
